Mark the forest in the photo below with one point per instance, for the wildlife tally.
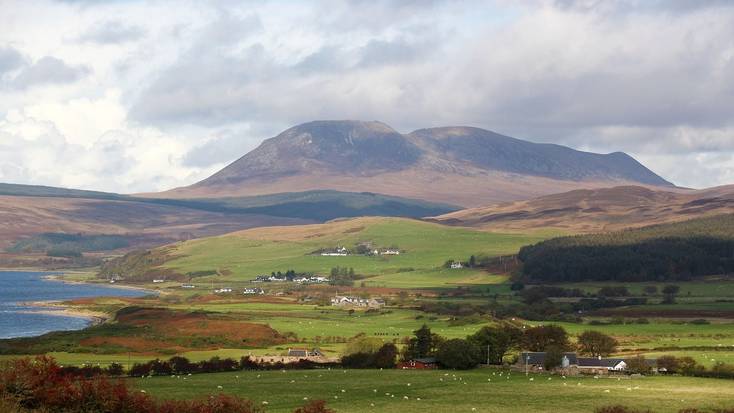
(668, 252)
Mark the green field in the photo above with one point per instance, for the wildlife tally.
(425, 246)
(309, 322)
(481, 390)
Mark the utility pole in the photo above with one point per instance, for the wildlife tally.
(487, 354)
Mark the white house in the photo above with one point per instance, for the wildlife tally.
(337, 252)
(158, 281)
(251, 291)
(223, 290)
(456, 265)
(350, 301)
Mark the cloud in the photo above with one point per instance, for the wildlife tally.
(48, 70)
(112, 32)
(10, 59)
(206, 82)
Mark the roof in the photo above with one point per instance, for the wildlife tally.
(538, 358)
(426, 360)
(297, 353)
(597, 362)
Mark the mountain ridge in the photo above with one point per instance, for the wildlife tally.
(461, 165)
(596, 210)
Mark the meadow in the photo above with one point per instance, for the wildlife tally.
(425, 248)
(480, 390)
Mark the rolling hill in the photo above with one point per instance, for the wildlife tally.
(28, 212)
(455, 165)
(243, 255)
(595, 210)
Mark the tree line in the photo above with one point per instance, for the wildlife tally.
(669, 252)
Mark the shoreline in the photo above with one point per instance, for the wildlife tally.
(59, 308)
(60, 278)
(56, 308)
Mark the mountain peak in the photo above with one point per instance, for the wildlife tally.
(455, 164)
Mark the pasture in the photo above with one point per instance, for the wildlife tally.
(480, 390)
(425, 247)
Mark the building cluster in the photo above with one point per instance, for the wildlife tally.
(572, 364)
(336, 252)
(298, 280)
(351, 301)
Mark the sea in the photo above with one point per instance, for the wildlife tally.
(19, 287)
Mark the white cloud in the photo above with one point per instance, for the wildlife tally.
(168, 100)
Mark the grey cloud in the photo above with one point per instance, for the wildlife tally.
(10, 59)
(49, 70)
(380, 52)
(112, 32)
(225, 147)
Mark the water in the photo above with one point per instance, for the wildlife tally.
(18, 320)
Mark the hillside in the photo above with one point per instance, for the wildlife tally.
(243, 255)
(149, 224)
(455, 165)
(666, 252)
(596, 210)
(34, 216)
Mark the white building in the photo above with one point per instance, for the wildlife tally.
(456, 265)
(350, 301)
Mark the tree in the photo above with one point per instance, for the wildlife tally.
(668, 363)
(553, 357)
(458, 354)
(669, 293)
(687, 365)
(542, 337)
(472, 261)
(385, 356)
(638, 365)
(420, 345)
(596, 344)
(495, 342)
(363, 344)
(650, 289)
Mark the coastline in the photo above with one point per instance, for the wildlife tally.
(56, 308)
(60, 308)
(60, 278)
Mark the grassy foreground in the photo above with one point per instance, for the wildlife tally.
(482, 390)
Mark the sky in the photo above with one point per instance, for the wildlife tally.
(135, 96)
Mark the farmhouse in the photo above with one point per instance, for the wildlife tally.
(535, 361)
(223, 290)
(598, 365)
(419, 364)
(456, 265)
(252, 291)
(571, 364)
(350, 301)
(296, 354)
(188, 286)
(336, 252)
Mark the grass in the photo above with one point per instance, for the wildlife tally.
(481, 390)
(426, 247)
(310, 321)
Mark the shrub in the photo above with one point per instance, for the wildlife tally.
(458, 354)
(316, 406)
(619, 409)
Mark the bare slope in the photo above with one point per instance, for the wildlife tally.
(455, 165)
(154, 224)
(597, 210)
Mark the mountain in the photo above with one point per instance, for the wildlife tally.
(597, 210)
(455, 165)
